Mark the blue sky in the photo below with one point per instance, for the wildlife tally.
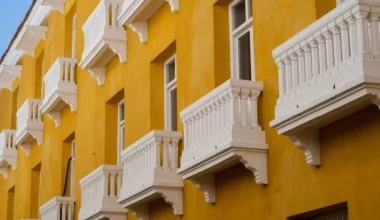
(11, 14)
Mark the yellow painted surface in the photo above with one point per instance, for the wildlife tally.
(199, 35)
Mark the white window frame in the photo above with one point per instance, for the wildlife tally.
(120, 131)
(169, 86)
(236, 34)
(72, 173)
(74, 39)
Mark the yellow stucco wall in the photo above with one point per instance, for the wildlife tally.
(198, 34)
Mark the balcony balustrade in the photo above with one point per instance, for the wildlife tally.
(8, 152)
(220, 130)
(100, 190)
(150, 172)
(8, 74)
(57, 5)
(328, 71)
(29, 125)
(31, 36)
(58, 208)
(104, 38)
(60, 89)
(136, 13)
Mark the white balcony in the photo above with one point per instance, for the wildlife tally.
(58, 208)
(100, 191)
(328, 71)
(8, 152)
(136, 13)
(57, 5)
(146, 178)
(104, 38)
(220, 131)
(31, 37)
(8, 74)
(60, 89)
(29, 125)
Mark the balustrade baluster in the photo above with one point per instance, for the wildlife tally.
(71, 211)
(166, 142)
(321, 54)
(353, 35)
(308, 63)
(174, 153)
(114, 15)
(113, 176)
(118, 186)
(157, 144)
(58, 210)
(215, 118)
(345, 41)
(66, 73)
(301, 67)
(72, 72)
(362, 31)
(105, 180)
(329, 50)
(337, 45)
(64, 205)
(244, 93)
(281, 76)
(235, 107)
(253, 99)
(294, 60)
(315, 58)
(288, 74)
(375, 40)
(223, 110)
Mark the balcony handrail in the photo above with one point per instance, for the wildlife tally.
(29, 111)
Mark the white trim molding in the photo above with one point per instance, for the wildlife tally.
(101, 202)
(57, 5)
(104, 38)
(8, 152)
(8, 74)
(33, 35)
(158, 179)
(29, 125)
(326, 72)
(221, 129)
(60, 89)
(136, 13)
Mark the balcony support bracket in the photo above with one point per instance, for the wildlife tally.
(57, 5)
(141, 29)
(99, 74)
(308, 142)
(4, 172)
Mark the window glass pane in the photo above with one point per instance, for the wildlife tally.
(173, 109)
(170, 71)
(244, 48)
(337, 215)
(249, 8)
(238, 13)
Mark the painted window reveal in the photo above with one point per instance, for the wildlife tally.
(171, 94)
(337, 215)
(72, 193)
(120, 131)
(74, 34)
(241, 39)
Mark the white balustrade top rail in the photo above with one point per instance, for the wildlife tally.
(58, 208)
(61, 72)
(104, 182)
(7, 147)
(232, 105)
(104, 16)
(29, 112)
(348, 33)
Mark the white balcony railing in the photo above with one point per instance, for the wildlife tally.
(104, 38)
(327, 71)
(29, 125)
(146, 177)
(222, 127)
(100, 190)
(60, 89)
(58, 208)
(8, 152)
(136, 13)
(8, 74)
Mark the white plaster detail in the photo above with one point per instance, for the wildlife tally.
(100, 191)
(8, 74)
(58, 208)
(136, 13)
(57, 5)
(221, 129)
(60, 89)
(32, 37)
(104, 38)
(326, 72)
(8, 152)
(29, 125)
(157, 180)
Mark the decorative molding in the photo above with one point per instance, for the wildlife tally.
(206, 184)
(308, 142)
(33, 35)
(57, 5)
(141, 29)
(8, 73)
(174, 5)
(99, 73)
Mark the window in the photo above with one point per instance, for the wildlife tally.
(35, 192)
(120, 131)
(72, 193)
(73, 41)
(241, 30)
(333, 212)
(171, 94)
(11, 203)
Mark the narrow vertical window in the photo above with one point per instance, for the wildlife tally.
(171, 94)
(10, 203)
(74, 35)
(120, 131)
(241, 39)
(72, 173)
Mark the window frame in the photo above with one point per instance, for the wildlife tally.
(120, 130)
(72, 173)
(73, 37)
(168, 87)
(235, 34)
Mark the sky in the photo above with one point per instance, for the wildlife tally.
(11, 14)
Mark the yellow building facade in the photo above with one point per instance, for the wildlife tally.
(124, 88)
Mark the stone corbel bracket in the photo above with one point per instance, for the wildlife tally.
(8, 73)
(33, 35)
(27, 145)
(308, 142)
(4, 172)
(57, 5)
(54, 107)
(253, 160)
